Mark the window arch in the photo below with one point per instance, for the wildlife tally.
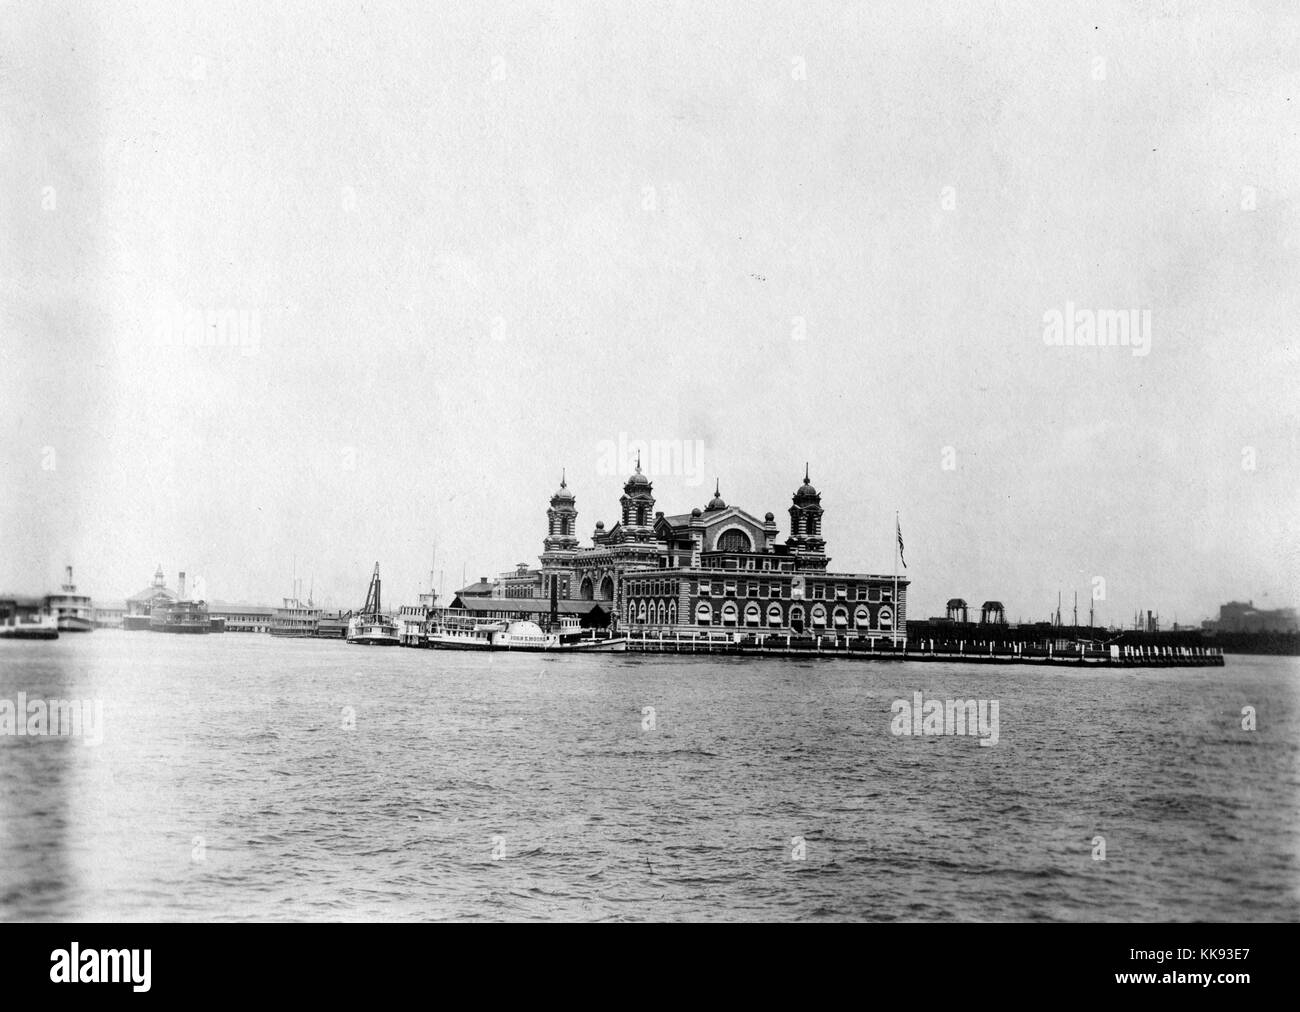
(753, 614)
(704, 613)
(729, 613)
(661, 613)
(672, 612)
(735, 540)
(796, 618)
(885, 618)
(862, 617)
(840, 618)
(819, 615)
(773, 614)
(640, 613)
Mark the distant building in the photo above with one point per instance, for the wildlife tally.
(251, 618)
(482, 588)
(1236, 616)
(108, 616)
(140, 605)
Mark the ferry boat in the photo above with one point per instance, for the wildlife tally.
(180, 616)
(465, 632)
(72, 611)
(372, 628)
(27, 619)
(295, 619)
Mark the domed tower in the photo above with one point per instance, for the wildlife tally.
(806, 520)
(717, 502)
(638, 500)
(560, 545)
(561, 520)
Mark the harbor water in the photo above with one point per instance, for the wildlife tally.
(246, 777)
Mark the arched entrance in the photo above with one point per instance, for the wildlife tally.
(607, 589)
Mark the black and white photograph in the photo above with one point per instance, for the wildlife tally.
(656, 462)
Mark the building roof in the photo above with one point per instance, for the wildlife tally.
(150, 592)
(480, 588)
(530, 605)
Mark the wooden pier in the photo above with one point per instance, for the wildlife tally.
(1075, 655)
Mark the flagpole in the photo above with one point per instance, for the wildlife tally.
(897, 535)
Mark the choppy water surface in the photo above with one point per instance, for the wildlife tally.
(242, 777)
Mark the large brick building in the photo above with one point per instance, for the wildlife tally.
(717, 567)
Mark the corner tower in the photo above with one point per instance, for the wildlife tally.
(806, 522)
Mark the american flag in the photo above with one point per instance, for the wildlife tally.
(898, 528)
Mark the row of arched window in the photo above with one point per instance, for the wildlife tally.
(730, 613)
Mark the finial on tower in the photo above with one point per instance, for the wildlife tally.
(805, 472)
(717, 489)
(638, 461)
(563, 483)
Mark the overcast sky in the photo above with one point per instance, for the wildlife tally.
(472, 248)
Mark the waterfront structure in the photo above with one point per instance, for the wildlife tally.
(1244, 617)
(108, 616)
(140, 605)
(243, 618)
(716, 567)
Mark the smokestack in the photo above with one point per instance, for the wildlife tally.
(180, 594)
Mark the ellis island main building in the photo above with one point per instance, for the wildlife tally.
(716, 568)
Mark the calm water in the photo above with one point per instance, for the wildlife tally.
(508, 787)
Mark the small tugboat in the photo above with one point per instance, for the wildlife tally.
(72, 611)
(372, 628)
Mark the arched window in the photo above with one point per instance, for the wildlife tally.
(640, 614)
(840, 618)
(753, 614)
(819, 615)
(773, 614)
(796, 618)
(585, 589)
(607, 589)
(704, 613)
(662, 613)
(735, 541)
(729, 613)
(862, 617)
(885, 617)
(672, 612)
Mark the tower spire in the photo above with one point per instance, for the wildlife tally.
(805, 473)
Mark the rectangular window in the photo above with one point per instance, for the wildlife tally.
(817, 592)
(731, 588)
(840, 591)
(873, 595)
(753, 590)
(706, 588)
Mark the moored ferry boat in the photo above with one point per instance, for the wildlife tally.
(449, 631)
(372, 627)
(296, 619)
(27, 619)
(181, 615)
(72, 611)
